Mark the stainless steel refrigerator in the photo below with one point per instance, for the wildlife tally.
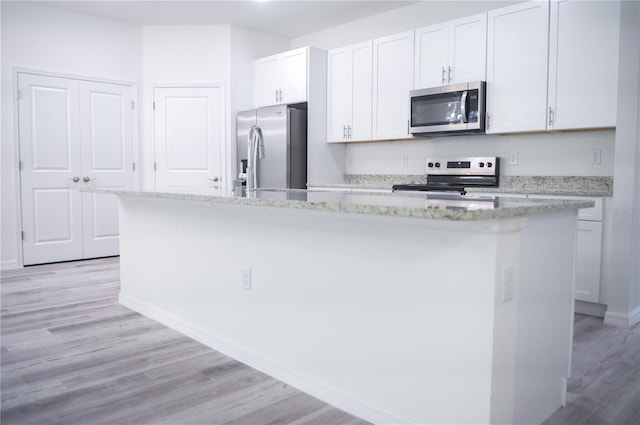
(284, 131)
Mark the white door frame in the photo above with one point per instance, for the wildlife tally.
(225, 146)
(16, 137)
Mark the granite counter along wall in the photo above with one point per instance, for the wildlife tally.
(543, 185)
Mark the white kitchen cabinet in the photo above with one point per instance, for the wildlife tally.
(281, 78)
(451, 52)
(517, 58)
(583, 64)
(349, 93)
(588, 260)
(392, 81)
(589, 247)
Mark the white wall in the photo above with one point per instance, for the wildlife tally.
(623, 288)
(44, 38)
(561, 154)
(180, 54)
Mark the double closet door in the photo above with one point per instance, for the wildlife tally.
(73, 133)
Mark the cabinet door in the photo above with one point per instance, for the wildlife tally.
(392, 81)
(339, 94)
(361, 96)
(517, 68)
(583, 67)
(294, 76)
(432, 56)
(468, 49)
(588, 258)
(267, 80)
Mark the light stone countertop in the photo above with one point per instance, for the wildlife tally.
(415, 205)
(594, 186)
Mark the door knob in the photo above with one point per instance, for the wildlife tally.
(215, 179)
(87, 179)
(75, 179)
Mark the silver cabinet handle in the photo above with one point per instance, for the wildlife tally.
(280, 95)
(75, 179)
(344, 131)
(215, 179)
(550, 115)
(443, 75)
(449, 73)
(349, 131)
(87, 179)
(276, 95)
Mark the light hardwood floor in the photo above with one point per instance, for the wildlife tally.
(72, 355)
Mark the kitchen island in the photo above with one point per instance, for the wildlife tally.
(404, 308)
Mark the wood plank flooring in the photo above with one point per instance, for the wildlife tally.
(70, 354)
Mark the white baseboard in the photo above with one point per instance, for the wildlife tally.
(9, 265)
(622, 320)
(330, 395)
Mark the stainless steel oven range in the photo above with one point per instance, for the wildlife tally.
(457, 175)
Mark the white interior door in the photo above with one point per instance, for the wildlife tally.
(106, 119)
(51, 171)
(189, 137)
(72, 133)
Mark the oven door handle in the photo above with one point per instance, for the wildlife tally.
(463, 106)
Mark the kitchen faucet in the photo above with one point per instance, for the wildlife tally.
(255, 150)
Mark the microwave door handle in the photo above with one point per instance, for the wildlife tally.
(463, 106)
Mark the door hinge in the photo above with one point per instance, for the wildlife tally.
(133, 104)
(19, 95)
(155, 167)
(22, 235)
(154, 106)
(134, 166)
(19, 165)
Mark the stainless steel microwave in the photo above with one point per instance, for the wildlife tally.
(448, 110)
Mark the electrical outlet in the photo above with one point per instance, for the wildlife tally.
(405, 160)
(596, 156)
(246, 278)
(507, 284)
(513, 158)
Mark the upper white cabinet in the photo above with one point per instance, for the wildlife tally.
(349, 92)
(583, 64)
(281, 78)
(552, 66)
(392, 81)
(451, 52)
(518, 38)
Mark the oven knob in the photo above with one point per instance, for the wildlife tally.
(430, 165)
(489, 164)
(481, 164)
(437, 165)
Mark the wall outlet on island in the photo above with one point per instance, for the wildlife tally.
(405, 160)
(246, 278)
(507, 284)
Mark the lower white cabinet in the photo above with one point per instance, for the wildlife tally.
(589, 248)
(588, 260)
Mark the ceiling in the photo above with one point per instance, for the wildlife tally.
(285, 18)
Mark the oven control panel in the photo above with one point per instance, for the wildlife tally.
(479, 165)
